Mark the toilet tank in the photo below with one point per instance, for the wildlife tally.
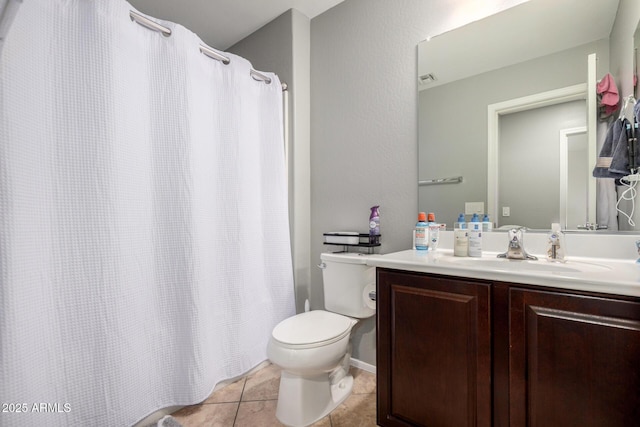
(347, 281)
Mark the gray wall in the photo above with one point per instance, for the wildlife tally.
(364, 128)
(283, 46)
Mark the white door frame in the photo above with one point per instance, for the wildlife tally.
(542, 99)
(564, 171)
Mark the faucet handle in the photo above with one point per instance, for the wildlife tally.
(516, 233)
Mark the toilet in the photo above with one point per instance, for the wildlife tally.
(313, 348)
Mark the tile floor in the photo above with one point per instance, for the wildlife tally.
(251, 402)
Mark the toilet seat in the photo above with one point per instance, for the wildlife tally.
(315, 328)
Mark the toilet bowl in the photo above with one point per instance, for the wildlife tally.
(313, 348)
(313, 379)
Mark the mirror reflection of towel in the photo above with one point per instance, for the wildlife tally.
(613, 153)
(620, 161)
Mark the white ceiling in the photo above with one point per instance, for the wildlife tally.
(530, 30)
(221, 23)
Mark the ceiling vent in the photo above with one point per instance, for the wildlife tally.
(425, 79)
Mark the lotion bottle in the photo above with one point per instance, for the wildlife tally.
(460, 242)
(475, 237)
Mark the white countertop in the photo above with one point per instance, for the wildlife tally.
(604, 275)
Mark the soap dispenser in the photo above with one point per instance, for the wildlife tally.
(555, 244)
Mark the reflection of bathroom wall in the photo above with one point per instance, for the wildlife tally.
(452, 123)
(624, 27)
(622, 33)
(577, 158)
(529, 172)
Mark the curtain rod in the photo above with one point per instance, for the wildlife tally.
(204, 49)
(148, 23)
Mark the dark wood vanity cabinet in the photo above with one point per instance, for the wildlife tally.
(463, 352)
(433, 350)
(574, 360)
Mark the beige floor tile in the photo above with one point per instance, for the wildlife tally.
(229, 393)
(363, 382)
(359, 410)
(210, 415)
(258, 396)
(260, 413)
(324, 422)
(263, 385)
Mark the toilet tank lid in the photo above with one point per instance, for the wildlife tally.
(348, 258)
(312, 327)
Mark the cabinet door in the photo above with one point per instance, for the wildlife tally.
(434, 354)
(574, 360)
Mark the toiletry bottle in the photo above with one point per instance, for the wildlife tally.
(431, 218)
(422, 230)
(555, 244)
(460, 242)
(374, 225)
(434, 231)
(487, 225)
(475, 237)
(460, 224)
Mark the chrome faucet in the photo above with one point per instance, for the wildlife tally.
(516, 246)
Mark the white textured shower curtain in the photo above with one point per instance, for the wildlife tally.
(144, 243)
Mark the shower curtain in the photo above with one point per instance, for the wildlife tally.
(144, 243)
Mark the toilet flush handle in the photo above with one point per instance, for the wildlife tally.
(322, 266)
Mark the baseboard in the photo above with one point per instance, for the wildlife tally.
(363, 365)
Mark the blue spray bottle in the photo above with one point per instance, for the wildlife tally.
(422, 233)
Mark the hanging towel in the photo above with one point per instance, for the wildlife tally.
(615, 146)
(608, 97)
(620, 161)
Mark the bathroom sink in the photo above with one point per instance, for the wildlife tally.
(542, 265)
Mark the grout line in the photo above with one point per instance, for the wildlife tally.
(260, 400)
(238, 407)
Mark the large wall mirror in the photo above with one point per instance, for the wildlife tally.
(529, 67)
